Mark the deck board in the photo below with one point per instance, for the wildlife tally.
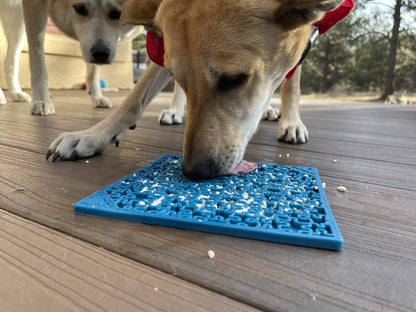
(374, 144)
(49, 271)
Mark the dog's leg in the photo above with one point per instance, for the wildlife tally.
(2, 98)
(36, 15)
(175, 113)
(14, 30)
(291, 128)
(94, 89)
(73, 145)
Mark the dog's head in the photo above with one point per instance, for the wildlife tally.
(95, 24)
(229, 56)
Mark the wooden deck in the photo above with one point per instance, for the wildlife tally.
(54, 260)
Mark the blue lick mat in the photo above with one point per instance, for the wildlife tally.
(277, 203)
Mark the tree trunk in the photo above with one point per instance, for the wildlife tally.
(389, 78)
(413, 88)
(324, 85)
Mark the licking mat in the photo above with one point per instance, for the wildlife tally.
(284, 204)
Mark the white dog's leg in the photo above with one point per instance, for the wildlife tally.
(291, 128)
(36, 15)
(14, 30)
(94, 89)
(80, 144)
(176, 112)
(2, 98)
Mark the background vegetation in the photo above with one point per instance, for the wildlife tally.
(373, 50)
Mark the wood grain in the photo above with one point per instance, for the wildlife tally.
(49, 271)
(374, 144)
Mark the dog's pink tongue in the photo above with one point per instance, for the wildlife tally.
(244, 167)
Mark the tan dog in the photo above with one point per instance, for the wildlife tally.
(229, 56)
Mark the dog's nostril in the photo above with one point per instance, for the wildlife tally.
(100, 53)
(205, 169)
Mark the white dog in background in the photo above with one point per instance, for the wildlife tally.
(94, 23)
(11, 15)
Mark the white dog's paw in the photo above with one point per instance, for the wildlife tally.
(292, 131)
(270, 113)
(2, 99)
(20, 97)
(101, 102)
(171, 117)
(80, 144)
(42, 108)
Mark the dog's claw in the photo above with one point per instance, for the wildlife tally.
(283, 137)
(116, 140)
(55, 157)
(48, 154)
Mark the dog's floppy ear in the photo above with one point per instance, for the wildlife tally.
(139, 12)
(294, 13)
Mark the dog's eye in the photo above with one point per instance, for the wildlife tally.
(81, 9)
(114, 15)
(226, 83)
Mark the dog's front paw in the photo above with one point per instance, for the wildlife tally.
(42, 108)
(80, 144)
(20, 97)
(101, 102)
(171, 117)
(270, 113)
(2, 98)
(292, 130)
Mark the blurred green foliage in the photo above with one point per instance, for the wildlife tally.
(353, 55)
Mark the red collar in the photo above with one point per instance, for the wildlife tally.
(156, 50)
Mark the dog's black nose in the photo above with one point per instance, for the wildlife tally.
(100, 53)
(201, 170)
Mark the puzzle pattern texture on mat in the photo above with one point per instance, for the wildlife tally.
(285, 204)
